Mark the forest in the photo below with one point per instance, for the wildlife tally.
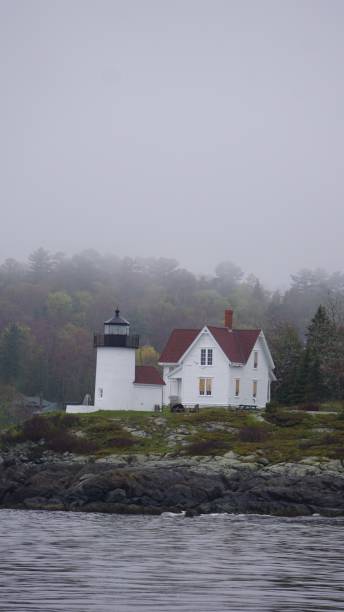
(51, 305)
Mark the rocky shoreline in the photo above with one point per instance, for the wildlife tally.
(140, 484)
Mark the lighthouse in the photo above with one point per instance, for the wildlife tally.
(120, 384)
(115, 370)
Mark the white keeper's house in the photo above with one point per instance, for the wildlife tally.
(217, 366)
(212, 366)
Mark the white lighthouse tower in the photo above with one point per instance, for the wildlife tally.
(115, 371)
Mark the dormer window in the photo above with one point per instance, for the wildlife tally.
(206, 357)
(255, 359)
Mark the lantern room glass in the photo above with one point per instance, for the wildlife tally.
(116, 330)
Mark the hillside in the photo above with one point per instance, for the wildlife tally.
(282, 462)
(276, 435)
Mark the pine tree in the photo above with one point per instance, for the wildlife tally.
(319, 333)
(10, 354)
(312, 382)
(287, 353)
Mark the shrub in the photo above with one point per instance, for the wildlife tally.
(338, 453)
(53, 431)
(64, 420)
(306, 444)
(10, 436)
(253, 433)
(329, 439)
(285, 418)
(121, 442)
(36, 428)
(207, 447)
(309, 407)
(62, 441)
(271, 405)
(207, 415)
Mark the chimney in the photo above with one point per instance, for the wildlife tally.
(229, 319)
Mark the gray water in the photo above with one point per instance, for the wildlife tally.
(55, 561)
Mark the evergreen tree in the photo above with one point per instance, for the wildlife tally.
(312, 383)
(10, 354)
(287, 352)
(300, 388)
(320, 332)
(41, 263)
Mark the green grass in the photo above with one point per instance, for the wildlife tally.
(284, 435)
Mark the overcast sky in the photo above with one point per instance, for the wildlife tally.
(203, 130)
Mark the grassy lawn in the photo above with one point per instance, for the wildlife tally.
(279, 435)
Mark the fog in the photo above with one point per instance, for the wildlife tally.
(203, 130)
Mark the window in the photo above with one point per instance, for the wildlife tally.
(237, 387)
(254, 388)
(205, 386)
(255, 359)
(206, 357)
(100, 392)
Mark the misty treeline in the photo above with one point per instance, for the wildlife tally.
(51, 305)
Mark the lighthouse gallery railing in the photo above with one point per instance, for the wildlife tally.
(131, 341)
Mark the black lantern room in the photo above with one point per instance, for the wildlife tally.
(116, 326)
(116, 334)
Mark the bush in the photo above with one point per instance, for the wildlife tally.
(62, 441)
(329, 439)
(309, 407)
(207, 447)
(121, 442)
(10, 436)
(64, 420)
(36, 428)
(285, 418)
(271, 405)
(52, 430)
(253, 433)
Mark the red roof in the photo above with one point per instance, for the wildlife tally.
(147, 375)
(178, 342)
(237, 344)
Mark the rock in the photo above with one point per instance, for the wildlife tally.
(263, 461)
(230, 455)
(160, 421)
(41, 503)
(335, 465)
(138, 433)
(213, 427)
(310, 461)
(183, 431)
(115, 496)
(250, 458)
(154, 484)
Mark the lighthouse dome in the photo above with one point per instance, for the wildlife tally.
(117, 325)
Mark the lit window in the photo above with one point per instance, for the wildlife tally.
(237, 387)
(254, 388)
(205, 386)
(255, 359)
(206, 357)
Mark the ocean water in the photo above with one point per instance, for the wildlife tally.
(73, 562)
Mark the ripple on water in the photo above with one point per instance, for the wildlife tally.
(71, 562)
